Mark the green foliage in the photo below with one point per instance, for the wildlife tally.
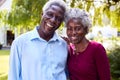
(97, 17)
(4, 77)
(88, 6)
(114, 58)
(114, 16)
(107, 11)
(3, 16)
(72, 3)
(25, 13)
(101, 11)
(4, 52)
(115, 1)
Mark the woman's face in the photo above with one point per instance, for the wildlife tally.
(75, 30)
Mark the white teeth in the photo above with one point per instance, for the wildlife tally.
(49, 25)
(73, 38)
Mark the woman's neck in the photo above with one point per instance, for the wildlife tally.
(80, 47)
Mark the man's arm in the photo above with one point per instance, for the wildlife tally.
(14, 63)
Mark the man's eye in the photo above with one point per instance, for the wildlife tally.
(59, 19)
(49, 15)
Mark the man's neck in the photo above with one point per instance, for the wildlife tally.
(46, 37)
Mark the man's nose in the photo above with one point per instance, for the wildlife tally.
(53, 19)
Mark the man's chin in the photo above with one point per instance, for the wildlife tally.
(49, 32)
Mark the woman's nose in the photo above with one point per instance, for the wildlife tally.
(73, 32)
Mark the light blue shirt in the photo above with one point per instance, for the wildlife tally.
(33, 58)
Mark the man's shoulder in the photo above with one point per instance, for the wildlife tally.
(24, 36)
(62, 40)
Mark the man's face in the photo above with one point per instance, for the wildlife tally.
(51, 19)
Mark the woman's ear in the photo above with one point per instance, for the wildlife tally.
(86, 30)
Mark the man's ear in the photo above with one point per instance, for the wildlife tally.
(41, 13)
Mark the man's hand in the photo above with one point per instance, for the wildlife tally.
(66, 39)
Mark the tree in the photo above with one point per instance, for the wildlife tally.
(102, 9)
(3, 17)
(25, 13)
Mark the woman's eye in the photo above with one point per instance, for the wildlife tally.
(69, 28)
(78, 29)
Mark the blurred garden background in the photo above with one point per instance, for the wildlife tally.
(20, 16)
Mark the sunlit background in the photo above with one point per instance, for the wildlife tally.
(20, 16)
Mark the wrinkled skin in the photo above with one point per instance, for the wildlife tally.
(75, 31)
(76, 34)
(51, 20)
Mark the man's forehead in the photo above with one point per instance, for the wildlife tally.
(55, 8)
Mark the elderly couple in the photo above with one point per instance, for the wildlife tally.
(42, 55)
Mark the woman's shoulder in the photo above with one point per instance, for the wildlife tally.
(96, 45)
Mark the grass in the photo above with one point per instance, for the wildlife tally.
(4, 64)
(4, 52)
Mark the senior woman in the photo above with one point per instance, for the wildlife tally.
(87, 59)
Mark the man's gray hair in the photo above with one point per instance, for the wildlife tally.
(78, 13)
(52, 2)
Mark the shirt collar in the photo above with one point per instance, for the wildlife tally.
(35, 35)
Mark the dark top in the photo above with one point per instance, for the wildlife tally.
(91, 64)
